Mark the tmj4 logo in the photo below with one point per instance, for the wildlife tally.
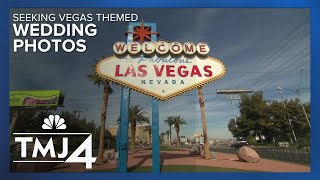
(50, 123)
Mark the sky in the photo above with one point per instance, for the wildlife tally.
(259, 47)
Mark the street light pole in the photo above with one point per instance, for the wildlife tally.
(235, 117)
(285, 109)
(234, 113)
(233, 94)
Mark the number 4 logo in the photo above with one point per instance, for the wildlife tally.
(88, 159)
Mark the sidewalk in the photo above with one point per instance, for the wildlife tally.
(182, 157)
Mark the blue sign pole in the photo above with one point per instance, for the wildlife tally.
(124, 120)
(124, 124)
(155, 119)
(155, 137)
(124, 117)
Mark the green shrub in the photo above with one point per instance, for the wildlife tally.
(251, 139)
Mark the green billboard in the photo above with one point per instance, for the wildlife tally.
(34, 98)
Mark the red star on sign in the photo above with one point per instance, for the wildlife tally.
(142, 33)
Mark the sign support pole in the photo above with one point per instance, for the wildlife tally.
(155, 119)
(124, 120)
(124, 124)
(155, 136)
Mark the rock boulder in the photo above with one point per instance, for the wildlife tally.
(248, 154)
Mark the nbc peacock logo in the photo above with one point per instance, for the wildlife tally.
(54, 122)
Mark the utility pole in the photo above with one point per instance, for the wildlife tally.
(304, 111)
(297, 91)
(285, 110)
(299, 99)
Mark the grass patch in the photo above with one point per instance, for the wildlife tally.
(179, 168)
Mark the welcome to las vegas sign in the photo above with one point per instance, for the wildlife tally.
(162, 70)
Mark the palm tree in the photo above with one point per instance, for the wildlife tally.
(136, 115)
(168, 136)
(207, 153)
(99, 81)
(169, 122)
(148, 129)
(162, 137)
(177, 122)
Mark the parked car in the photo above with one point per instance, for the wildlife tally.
(239, 144)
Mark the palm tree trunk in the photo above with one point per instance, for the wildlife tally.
(170, 136)
(103, 123)
(204, 124)
(133, 138)
(178, 138)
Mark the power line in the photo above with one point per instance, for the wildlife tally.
(277, 71)
(300, 66)
(292, 71)
(247, 78)
(284, 63)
